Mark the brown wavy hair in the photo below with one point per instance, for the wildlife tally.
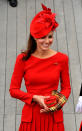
(31, 47)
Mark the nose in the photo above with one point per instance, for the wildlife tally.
(46, 40)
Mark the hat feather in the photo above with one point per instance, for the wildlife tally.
(43, 6)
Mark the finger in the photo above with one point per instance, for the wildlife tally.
(45, 106)
(43, 110)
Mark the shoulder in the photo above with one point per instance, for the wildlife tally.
(64, 60)
(64, 57)
(19, 64)
(20, 56)
(19, 60)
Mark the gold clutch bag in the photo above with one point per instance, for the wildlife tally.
(56, 101)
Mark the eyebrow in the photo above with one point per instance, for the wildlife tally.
(48, 35)
(51, 34)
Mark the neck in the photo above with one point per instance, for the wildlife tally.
(43, 53)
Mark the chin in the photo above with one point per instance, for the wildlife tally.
(45, 48)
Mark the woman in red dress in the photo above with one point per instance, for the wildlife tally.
(41, 68)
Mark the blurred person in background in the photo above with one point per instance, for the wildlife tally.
(13, 3)
(79, 106)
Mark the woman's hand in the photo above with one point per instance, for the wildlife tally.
(40, 100)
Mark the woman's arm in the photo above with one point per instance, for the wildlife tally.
(65, 78)
(16, 80)
(65, 86)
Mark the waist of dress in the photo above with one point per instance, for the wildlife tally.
(40, 93)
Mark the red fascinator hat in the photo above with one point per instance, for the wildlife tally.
(43, 23)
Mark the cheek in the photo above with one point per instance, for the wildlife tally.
(40, 41)
(51, 40)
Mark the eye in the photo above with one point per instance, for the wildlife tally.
(50, 36)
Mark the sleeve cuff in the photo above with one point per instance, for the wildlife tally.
(30, 99)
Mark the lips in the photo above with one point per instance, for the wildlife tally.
(45, 45)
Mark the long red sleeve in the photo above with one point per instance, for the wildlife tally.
(65, 79)
(16, 80)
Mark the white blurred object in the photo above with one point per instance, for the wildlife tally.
(79, 105)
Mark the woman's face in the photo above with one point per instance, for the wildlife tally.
(45, 42)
